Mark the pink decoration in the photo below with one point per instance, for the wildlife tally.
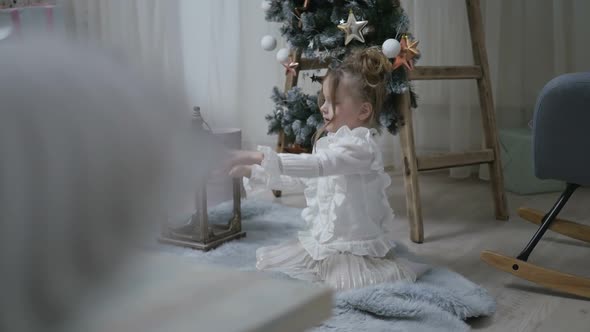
(15, 18)
(49, 16)
(290, 67)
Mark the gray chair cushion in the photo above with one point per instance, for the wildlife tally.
(561, 130)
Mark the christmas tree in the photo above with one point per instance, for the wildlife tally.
(328, 30)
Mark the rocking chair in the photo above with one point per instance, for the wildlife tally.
(560, 148)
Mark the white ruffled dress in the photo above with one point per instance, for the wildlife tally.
(349, 238)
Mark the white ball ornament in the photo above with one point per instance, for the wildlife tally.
(265, 5)
(268, 43)
(283, 55)
(5, 32)
(391, 48)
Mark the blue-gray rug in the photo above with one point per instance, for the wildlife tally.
(439, 301)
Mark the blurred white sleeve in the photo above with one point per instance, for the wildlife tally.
(284, 171)
(268, 175)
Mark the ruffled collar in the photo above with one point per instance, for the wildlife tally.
(345, 135)
(345, 131)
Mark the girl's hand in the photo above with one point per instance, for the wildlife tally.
(241, 157)
(241, 171)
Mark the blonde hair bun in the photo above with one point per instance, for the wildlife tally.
(371, 63)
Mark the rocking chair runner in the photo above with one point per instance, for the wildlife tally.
(560, 139)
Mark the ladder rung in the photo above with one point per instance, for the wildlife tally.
(311, 64)
(445, 73)
(419, 72)
(455, 159)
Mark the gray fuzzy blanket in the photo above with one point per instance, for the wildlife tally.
(440, 300)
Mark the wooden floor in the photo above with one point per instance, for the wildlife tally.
(459, 224)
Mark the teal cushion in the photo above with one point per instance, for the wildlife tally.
(517, 161)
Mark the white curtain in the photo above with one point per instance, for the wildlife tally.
(211, 40)
(145, 32)
(227, 73)
(208, 48)
(528, 43)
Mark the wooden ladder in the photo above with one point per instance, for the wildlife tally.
(413, 164)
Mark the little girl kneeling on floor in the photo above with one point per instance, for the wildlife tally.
(349, 239)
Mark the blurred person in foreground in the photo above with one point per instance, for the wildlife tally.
(92, 156)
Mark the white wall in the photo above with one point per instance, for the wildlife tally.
(227, 73)
(259, 72)
(211, 40)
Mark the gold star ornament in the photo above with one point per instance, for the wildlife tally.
(407, 53)
(353, 29)
(411, 46)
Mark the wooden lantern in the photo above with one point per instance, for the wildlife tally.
(198, 233)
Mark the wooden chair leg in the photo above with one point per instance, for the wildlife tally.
(413, 206)
(486, 101)
(556, 280)
(546, 277)
(562, 226)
